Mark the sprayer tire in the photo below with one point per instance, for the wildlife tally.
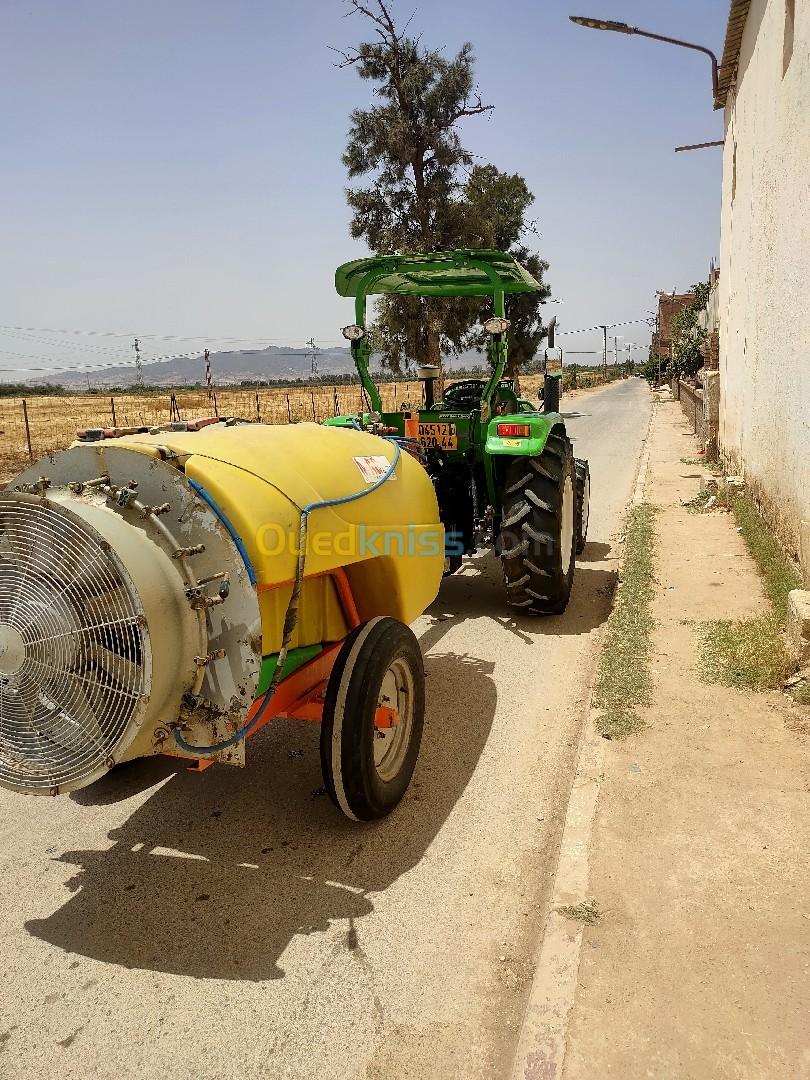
(538, 529)
(379, 658)
(583, 503)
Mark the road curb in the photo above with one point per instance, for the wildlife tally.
(540, 1053)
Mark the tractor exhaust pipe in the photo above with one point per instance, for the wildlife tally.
(552, 379)
(551, 394)
(428, 374)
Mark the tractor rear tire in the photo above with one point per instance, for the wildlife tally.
(583, 503)
(538, 526)
(366, 768)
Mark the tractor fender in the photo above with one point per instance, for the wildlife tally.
(341, 421)
(540, 426)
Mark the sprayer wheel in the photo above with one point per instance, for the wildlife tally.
(366, 767)
(538, 527)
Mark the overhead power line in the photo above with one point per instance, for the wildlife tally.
(258, 339)
(27, 338)
(196, 353)
(129, 334)
(600, 326)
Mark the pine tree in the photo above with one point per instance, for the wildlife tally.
(423, 192)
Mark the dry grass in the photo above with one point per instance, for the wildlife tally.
(624, 679)
(53, 421)
(749, 654)
(801, 693)
(587, 912)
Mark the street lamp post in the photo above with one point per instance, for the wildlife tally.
(624, 28)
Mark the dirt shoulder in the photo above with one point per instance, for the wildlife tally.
(698, 965)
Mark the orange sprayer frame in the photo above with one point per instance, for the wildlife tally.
(301, 695)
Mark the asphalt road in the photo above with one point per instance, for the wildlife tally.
(232, 924)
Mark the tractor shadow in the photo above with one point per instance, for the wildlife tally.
(596, 552)
(477, 591)
(216, 873)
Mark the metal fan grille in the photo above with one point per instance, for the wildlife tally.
(71, 647)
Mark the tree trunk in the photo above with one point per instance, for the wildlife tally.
(433, 336)
(433, 349)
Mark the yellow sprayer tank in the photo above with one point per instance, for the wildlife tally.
(145, 580)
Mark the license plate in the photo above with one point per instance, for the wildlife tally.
(441, 436)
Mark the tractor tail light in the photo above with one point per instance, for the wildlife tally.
(521, 431)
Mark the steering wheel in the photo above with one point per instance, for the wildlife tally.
(465, 394)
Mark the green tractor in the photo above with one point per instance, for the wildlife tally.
(504, 470)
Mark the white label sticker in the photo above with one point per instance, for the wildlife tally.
(374, 467)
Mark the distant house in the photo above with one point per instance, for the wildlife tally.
(669, 304)
(764, 287)
(709, 321)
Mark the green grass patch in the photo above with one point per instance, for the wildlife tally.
(697, 504)
(778, 574)
(624, 679)
(751, 653)
(706, 502)
(714, 467)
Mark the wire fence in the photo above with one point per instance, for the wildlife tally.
(33, 427)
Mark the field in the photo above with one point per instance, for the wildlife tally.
(33, 427)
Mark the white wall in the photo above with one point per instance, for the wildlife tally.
(765, 267)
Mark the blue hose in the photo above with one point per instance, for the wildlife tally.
(358, 494)
(251, 573)
(282, 655)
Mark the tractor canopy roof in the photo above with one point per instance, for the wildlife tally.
(463, 272)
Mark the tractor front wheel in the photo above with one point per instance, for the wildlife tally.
(372, 719)
(538, 529)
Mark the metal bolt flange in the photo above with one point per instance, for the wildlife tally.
(184, 552)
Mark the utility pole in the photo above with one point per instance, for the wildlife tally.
(138, 363)
(615, 352)
(313, 355)
(604, 330)
(208, 373)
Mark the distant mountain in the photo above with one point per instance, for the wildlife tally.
(231, 368)
(227, 368)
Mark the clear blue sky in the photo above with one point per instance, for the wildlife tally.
(174, 167)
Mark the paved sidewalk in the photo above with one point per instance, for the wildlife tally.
(699, 965)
